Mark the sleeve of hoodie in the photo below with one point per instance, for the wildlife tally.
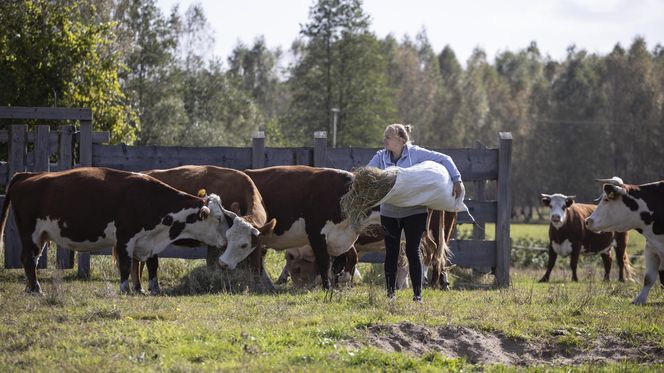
(375, 161)
(444, 159)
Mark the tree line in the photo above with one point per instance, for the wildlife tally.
(150, 78)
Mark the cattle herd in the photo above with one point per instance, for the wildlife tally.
(292, 208)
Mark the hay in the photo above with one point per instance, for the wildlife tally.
(370, 186)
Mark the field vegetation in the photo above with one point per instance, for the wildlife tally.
(88, 326)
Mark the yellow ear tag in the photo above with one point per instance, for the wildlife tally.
(612, 195)
(202, 193)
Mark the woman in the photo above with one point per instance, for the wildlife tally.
(400, 152)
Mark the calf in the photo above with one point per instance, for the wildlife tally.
(623, 207)
(248, 219)
(89, 208)
(568, 235)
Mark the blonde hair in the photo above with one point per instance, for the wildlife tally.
(401, 130)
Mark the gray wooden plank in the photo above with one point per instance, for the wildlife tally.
(54, 113)
(472, 254)
(320, 149)
(64, 257)
(504, 210)
(465, 253)
(16, 161)
(138, 158)
(258, 150)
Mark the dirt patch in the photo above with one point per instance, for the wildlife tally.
(479, 347)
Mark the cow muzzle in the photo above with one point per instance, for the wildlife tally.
(224, 265)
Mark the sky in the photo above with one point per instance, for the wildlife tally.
(493, 25)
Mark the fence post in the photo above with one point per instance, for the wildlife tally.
(16, 163)
(41, 153)
(503, 244)
(64, 257)
(320, 149)
(479, 228)
(85, 159)
(258, 149)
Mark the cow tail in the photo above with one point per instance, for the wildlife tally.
(621, 240)
(7, 203)
(629, 270)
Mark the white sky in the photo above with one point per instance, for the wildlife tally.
(494, 25)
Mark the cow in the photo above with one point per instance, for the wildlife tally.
(300, 261)
(86, 209)
(305, 202)
(247, 219)
(569, 236)
(623, 207)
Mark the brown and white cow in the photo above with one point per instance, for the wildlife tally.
(305, 202)
(623, 207)
(247, 221)
(568, 236)
(90, 208)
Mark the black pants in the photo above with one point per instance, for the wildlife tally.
(413, 227)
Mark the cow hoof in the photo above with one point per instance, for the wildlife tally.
(34, 291)
(544, 279)
(638, 301)
(445, 287)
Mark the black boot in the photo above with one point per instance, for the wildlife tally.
(391, 282)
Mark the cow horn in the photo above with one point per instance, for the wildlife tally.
(545, 195)
(613, 181)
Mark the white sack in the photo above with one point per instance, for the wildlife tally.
(425, 184)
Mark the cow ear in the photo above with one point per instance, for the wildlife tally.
(203, 213)
(569, 201)
(613, 191)
(235, 207)
(546, 200)
(268, 228)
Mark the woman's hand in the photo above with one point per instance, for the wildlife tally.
(457, 189)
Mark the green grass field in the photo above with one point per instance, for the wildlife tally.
(87, 326)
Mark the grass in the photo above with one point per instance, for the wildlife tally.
(87, 326)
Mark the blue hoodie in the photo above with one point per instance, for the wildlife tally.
(410, 156)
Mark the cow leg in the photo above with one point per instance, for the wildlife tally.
(153, 282)
(574, 261)
(136, 273)
(338, 265)
(661, 277)
(606, 259)
(318, 244)
(262, 281)
(652, 267)
(124, 265)
(29, 258)
(620, 258)
(550, 264)
(283, 277)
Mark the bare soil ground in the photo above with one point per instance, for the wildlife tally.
(479, 347)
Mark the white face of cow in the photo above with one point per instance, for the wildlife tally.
(242, 240)
(211, 226)
(558, 204)
(614, 213)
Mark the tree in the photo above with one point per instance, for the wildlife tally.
(340, 66)
(51, 54)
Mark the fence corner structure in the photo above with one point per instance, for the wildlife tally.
(34, 148)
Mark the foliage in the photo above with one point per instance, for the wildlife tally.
(339, 66)
(52, 54)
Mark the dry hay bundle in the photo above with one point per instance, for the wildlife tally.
(370, 186)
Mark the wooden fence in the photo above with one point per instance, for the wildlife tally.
(31, 150)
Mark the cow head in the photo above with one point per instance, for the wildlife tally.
(243, 239)
(617, 210)
(210, 225)
(558, 204)
(301, 265)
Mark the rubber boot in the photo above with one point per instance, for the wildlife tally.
(391, 283)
